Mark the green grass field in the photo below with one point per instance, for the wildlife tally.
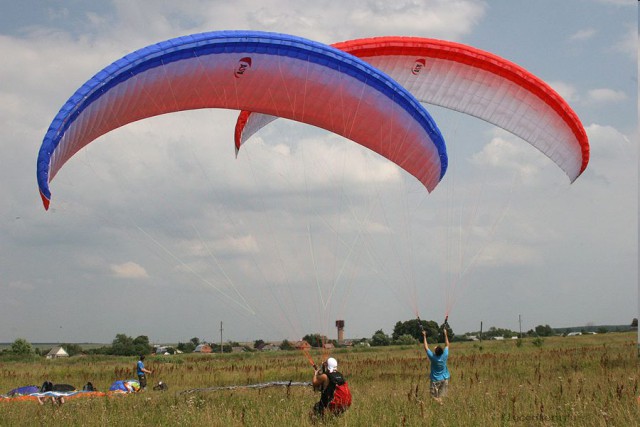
(572, 381)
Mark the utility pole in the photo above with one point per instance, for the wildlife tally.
(520, 322)
(481, 331)
(221, 348)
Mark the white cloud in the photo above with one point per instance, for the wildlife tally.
(22, 286)
(618, 2)
(608, 142)
(13, 303)
(54, 14)
(508, 152)
(446, 18)
(584, 34)
(629, 43)
(604, 95)
(503, 253)
(326, 22)
(228, 245)
(611, 153)
(565, 90)
(315, 161)
(241, 245)
(156, 180)
(129, 270)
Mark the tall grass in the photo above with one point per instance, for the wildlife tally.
(585, 381)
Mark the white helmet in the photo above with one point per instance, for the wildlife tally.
(332, 364)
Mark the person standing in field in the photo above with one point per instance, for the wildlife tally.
(335, 395)
(142, 371)
(439, 375)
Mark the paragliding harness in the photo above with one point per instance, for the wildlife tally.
(336, 398)
(49, 386)
(161, 386)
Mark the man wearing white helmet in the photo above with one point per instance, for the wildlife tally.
(335, 394)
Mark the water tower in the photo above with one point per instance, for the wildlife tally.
(340, 326)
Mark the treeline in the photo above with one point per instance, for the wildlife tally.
(409, 332)
(404, 333)
(547, 331)
(122, 345)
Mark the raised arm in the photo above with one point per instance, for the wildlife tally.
(424, 340)
(319, 380)
(446, 338)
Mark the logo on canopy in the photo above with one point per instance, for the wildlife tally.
(243, 65)
(418, 66)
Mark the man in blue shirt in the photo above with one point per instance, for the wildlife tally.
(141, 371)
(439, 373)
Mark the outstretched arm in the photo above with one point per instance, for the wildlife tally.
(424, 340)
(446, 338)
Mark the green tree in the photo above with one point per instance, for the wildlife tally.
(122, 345)
(409, 327)
(315, 340)
(226, 348)
(286, 345)
(186, 347)
(141, 345)
(405, 339)
(544, 331)
(258, 344)
(22, 346)
(450, 333)
(412, 327)
(379, 338)
(72, 349)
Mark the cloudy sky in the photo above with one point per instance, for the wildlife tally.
(157, 229)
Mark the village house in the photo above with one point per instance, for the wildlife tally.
(203, 348)
(56, 352)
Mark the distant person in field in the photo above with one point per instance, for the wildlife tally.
(142, 371)
(48, 387)
(335, 396)
(126, 386)
(439, 375)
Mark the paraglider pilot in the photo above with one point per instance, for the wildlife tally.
(335, 396)
(439, 375)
